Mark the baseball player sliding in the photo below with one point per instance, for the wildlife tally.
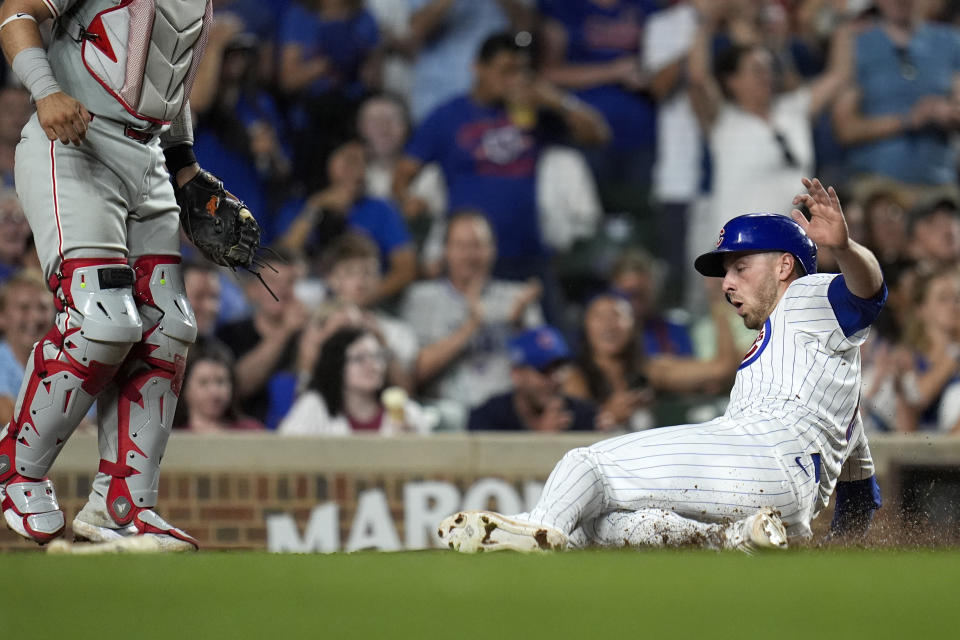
(760, 473)
(93, 171)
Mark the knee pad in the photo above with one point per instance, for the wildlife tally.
(169, 324)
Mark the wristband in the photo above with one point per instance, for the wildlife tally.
(178, 157)
(33, 69)
(17, 16)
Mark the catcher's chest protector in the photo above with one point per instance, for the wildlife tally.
(146, 53)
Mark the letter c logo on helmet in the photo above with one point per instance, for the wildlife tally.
(759, 232)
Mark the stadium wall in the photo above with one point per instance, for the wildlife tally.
(260, 491)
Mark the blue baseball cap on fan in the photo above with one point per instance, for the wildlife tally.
(540, 348)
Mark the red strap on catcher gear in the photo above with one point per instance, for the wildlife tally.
(115, 469)
(143, 271)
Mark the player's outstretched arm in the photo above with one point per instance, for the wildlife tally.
(828, 228)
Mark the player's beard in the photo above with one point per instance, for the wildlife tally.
(766, 300)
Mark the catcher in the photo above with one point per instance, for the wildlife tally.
(100, 170)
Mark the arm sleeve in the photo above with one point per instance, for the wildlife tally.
(393, 233)
(427, 140)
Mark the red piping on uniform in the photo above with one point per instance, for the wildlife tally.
(56, 208)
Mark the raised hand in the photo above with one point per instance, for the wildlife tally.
(827, 226)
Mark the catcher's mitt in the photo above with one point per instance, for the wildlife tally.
(218, 224)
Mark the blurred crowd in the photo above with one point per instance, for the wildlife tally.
(482, 214)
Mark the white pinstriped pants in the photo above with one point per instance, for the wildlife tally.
(710, 472)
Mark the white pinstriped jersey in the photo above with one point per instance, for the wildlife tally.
(804, 371)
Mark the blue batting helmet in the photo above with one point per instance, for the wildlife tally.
(759, 232)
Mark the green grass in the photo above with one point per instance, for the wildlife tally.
(808, 594)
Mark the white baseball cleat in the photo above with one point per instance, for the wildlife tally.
(149, 533)
(763, 530)
(477, 531)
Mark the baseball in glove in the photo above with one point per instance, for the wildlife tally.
(218, 224)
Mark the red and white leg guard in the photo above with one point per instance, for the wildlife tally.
(96, 324)
(135, 421)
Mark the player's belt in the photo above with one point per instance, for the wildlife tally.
(143, 137)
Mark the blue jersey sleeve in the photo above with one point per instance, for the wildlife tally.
(854, 313)
(383, 223)
(298, 26)
(393, 232)
(428, 140)
(366, 31)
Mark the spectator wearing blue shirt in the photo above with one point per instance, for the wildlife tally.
(487, 144)
(540, 359)
(14, 233)
(593, 47)
(449, 33)
(904, 103)
(26, 310)
(240, 133)
(260, 19)
(308, 225)
(329, 57)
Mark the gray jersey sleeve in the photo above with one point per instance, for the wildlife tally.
(180, 131)
(60, 7)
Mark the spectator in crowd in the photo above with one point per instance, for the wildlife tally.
(935, 235)
(208, 402)
(904, 99)
(934, 338)
(26, 309)
(737, 106)
(344, 394)
(448, 33)
(14, 233)
(883, 405)
(384, 126)
(593, 47)
(541, 361)
(488, 142)
(637, 278)
(265, 344)
(464, 320)
(614, 372)
(260, 20)
(885, 229)
(353, 277)
(15, 110)
(240, 136)
(328, 60)
(609, 369)
(308, 225)
(201, 281)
